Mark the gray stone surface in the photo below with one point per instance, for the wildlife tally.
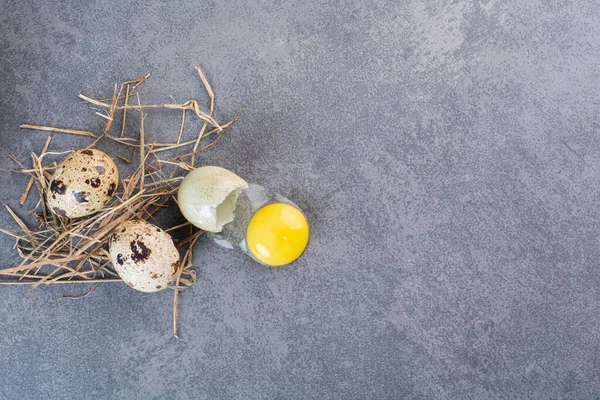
(447, 155)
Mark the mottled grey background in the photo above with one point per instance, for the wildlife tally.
(447, 155)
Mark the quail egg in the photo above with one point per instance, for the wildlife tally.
(143, 255)
(207, 197)
(267, 226)
(82, 184)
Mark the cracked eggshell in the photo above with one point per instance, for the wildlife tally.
(143, 255)
(82, 184)
(207, 197)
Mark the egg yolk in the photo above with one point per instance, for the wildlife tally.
(277, 234)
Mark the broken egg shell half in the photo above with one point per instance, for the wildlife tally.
(207, 197)
(143, 255)
(82, 184)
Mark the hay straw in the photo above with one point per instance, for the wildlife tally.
(180, 127)
(126, 101)
(83, 296)
(61, 250)
(31, 179)
(211, 95)
(103, 280)
(62, 130)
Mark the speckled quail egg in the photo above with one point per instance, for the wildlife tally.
(82, 183)
(143, 255)
(207, 197)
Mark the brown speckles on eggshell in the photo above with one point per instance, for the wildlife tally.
(80, 197)
(59, 211)
(95, 182)
(58, 187)
(140, 251)
(87, 152)
(120, 259)
(111, 189)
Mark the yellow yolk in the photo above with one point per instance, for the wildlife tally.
(277, 234)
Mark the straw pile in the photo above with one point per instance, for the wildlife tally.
(61, 250)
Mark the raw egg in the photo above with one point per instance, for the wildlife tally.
(277, 234)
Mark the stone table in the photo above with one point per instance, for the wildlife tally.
(447, 155)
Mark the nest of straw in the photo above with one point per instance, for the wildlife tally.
(62, 250)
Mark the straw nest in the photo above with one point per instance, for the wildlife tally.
(61, 250)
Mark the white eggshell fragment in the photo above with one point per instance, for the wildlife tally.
(207, 197)
(143, 255)
(82, 184)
